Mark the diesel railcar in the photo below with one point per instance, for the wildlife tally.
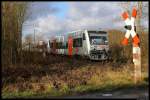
(92, 44)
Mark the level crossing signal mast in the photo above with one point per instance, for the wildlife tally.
(131, 29)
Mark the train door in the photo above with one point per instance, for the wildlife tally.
(70, 45)
(84, 50)
(77, 44)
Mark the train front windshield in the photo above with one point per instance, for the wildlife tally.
(98, 38)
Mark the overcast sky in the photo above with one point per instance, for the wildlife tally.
(57, 18)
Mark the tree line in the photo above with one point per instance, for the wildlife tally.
(13, 16)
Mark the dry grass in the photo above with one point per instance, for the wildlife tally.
(123, 54)
(60, 75)
(89, 77)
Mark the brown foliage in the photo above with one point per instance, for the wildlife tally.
(37, 73)
(13, 16)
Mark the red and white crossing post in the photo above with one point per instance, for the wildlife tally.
(136, 47)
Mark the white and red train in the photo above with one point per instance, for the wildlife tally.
(92, 44)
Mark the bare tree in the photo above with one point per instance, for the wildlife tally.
(29, 39)
(13, 16)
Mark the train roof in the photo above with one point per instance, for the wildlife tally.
(98, 31)
(87, 30)
(64, 35)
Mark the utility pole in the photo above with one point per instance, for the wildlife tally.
(34, 25)
(34, 35)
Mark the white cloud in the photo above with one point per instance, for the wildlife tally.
(93, 14)
(82, 15)
(49, 24)
(40, 9)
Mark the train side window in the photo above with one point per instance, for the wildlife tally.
(77, 42)
(56, 45)
(61, 45)
(51, 45)
(66, 45)
(80, 42)
(84, 36)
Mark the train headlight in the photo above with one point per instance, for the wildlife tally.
(92, 47)
(106, 42)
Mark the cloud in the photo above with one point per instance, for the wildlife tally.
(49, 24)
(93, 14)
(40, 9)
(80, 15)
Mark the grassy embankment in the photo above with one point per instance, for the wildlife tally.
(58, 76)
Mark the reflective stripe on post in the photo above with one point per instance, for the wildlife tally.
(136, 40)
(127, 21)
(136, 53)
(125, 15)
(134, 12)
(125, 40)
(137, 64)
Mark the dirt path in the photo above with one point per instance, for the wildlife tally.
(141, 93)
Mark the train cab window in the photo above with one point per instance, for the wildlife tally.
(77, 42)
(59, 45)
(84, 36)
(56, 45)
